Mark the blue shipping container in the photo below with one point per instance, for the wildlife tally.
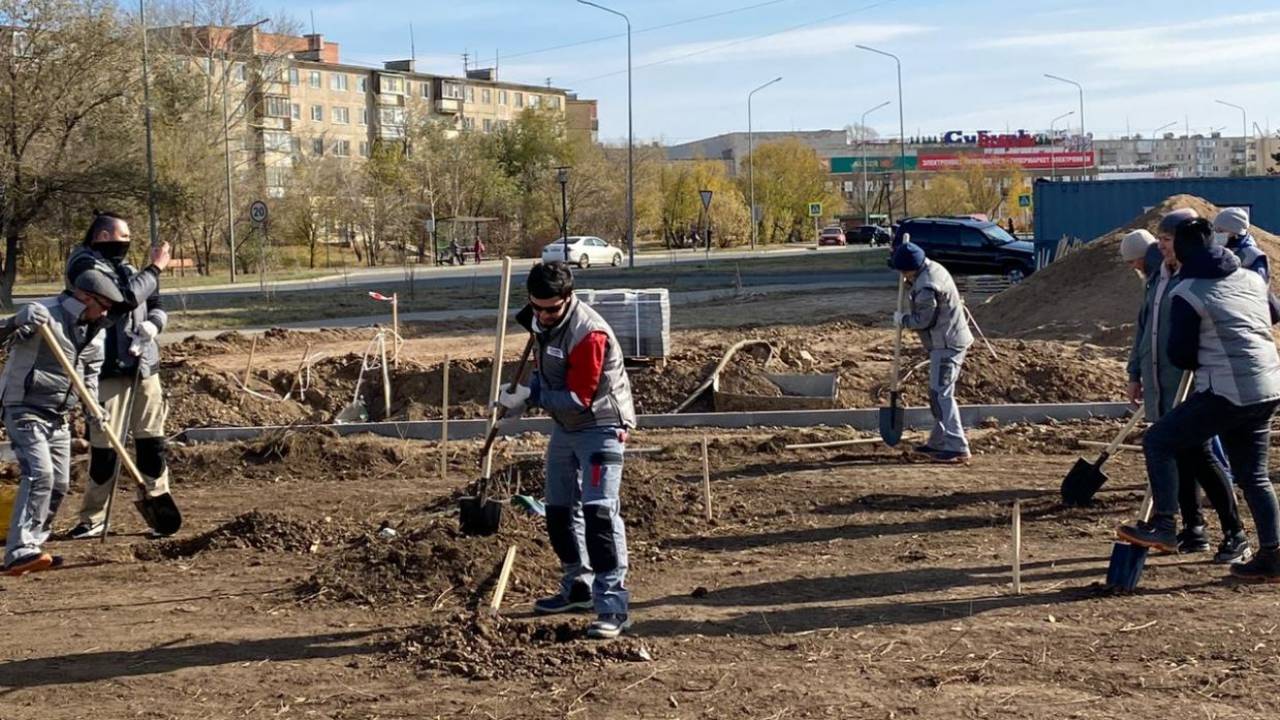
(1087, 209)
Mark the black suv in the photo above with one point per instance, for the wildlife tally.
(970, 247)
(870, 234)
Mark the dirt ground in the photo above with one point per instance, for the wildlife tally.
(831, 583)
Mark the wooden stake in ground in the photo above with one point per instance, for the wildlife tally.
(706, 479)
(386, 379)
(503, 578)
(1017, 547)
(248, 367)
(297, 377)
(395, 329)
(832, 443)
(444, 421)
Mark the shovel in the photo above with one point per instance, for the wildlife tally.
(1124, 570)
(891, 418)
(1085, 478)
(160, 512)
(479, 514)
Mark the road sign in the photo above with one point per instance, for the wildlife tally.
(815, 210)
(1024, 201)
(706, 198)
(258, 211)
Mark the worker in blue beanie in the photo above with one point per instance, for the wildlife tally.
(936, 313)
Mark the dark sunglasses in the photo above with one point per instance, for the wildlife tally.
(552, 310)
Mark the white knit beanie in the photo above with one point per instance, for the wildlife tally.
(1232, 221)
(1135, 244)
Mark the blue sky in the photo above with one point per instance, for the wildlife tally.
(966, 65)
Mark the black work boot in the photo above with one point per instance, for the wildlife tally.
(1160, 534)
(1193, 539)
(1234, 549)
(1263, 568)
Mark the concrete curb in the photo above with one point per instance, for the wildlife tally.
(865, 419)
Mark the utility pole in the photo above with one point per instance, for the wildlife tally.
(751, 165)
(152, 221)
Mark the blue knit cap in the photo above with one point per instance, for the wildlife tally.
(907, 257)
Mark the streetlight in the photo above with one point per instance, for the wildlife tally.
(152, 221)
(866, 209)
(1244, 130)
(631, 187)
(751, 161)
(1053, 154)
(562, 177)
(902, 125)
(226, 147)
(1079, 89)
(1156, 132)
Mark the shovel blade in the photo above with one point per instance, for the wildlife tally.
(1125, 569)
(161, 513)
(479, 516)
(892, 420)
(1082, 483)
(353, 413)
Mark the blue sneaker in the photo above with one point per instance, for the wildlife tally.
(609, 626)
(579, 599)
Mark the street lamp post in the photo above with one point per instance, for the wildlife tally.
(1053, 150)
(631, 187)
(866, 209)
(1080, 90)
(751, 161)
(1244, 130)
(562, 176)
(1156, 132)
(902, 125)
(152, 221)
(226, 148)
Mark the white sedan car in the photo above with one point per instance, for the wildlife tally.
(584, 251)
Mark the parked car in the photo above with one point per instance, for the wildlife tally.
(584, 251)
(872, 235)
(970, 247)
(832, 236)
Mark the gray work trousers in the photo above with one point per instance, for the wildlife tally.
(944, 369)
(43, 449)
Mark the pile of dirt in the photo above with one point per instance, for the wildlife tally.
(273, 338)
(1088, 294)
(745, 375)
(436, 565)
(255, 530)
(483, 647)
(1054, 438)
(200, 398)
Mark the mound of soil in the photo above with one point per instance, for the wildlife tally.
(255, 530)
(436, 565)
(483, 647)
(1089, 293)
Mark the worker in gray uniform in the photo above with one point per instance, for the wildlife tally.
(1231, 229)
(937, 315)
(580, 381)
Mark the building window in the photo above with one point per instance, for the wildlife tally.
(554, 101)
(277, 106)
(502, 97)
(362, 84)
(364, 148)
(390, 116)
(469, 123)
(471, 94)
(342, 148)
(295, 111)
(451, 91)
(276, 141)
(238, 72)
(364, 116)
(296, 144)
(277, 176)
(342, 116)
(317, 146)
(293, 76)
(390, 85)
(338, 81)
(486, 96)
(317, 113)
(534, 100)
(207, 65)
(519, 100)
(426, 91)
(488, 125)
(313, 79)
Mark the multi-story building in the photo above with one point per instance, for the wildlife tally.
(291, 97)
(1192, 155)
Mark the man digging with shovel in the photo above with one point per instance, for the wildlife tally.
(37, 397)
(581, 383)
(937, 316)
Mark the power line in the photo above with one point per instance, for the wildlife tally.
(652, 28)
(733, 43)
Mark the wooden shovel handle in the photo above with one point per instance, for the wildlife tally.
(91, 404)
(501, 412)
(897, 340)
(1124, 432)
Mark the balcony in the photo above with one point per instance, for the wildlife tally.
(390, 100)
(450, 106)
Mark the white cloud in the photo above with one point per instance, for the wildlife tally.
(803, 43)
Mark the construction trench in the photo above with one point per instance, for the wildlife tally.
(796, 568)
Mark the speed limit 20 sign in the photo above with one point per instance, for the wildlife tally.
(258, 211)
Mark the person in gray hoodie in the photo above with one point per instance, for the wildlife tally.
(1220, 327)
(37, 395)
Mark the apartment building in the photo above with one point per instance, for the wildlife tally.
(1193, 155)
(291, 97)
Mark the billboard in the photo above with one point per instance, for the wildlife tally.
(843, 165)
(1026, 161)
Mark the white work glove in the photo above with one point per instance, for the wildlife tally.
(514, 401)
(147, 332)
(897, 318)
